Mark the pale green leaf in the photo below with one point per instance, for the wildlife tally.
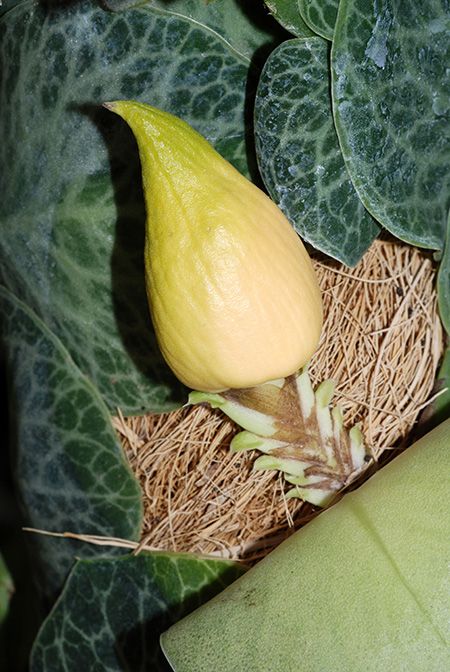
(364, 587)
(299, 155)
(69, 466)
(391, 94)
(112, 611)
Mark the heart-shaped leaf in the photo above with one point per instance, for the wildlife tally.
(72, 213)
(299, 155)
(112, 611)
(70, 469)
(391, 93)
(320, 15)
(287, 13)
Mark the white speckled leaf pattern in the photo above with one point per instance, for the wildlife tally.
(391, 94)
(320, 16)
(72, 213)
(240, 24)
(299, 156)
(69, 466)
(112, 611)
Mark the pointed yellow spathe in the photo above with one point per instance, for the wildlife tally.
(232, 292)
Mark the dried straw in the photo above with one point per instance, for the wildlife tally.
(381, 343)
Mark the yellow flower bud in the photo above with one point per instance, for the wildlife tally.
(232, 292)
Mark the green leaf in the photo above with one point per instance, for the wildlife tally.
(364, 587)
(245, 28)
(111, 612)
(287, 13)
(299, 155)
(443, 282)
(70, 469)
(320, 15)
(6, 5)
(391, 92)
(72, 213)
(6, 590)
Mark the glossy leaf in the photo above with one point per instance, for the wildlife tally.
(391, 93)
(69, 466)
(244, 27)
(72, 213)
(287, 13)
(111, 612)
(299, 155)
(320, 15)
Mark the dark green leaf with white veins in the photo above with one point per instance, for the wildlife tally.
(287, 13)
(391, 94)
(6, 5)
(320, 15)
(245, 28)
(69, 466)
(112, 611)
(72, 213)
(298, 152)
